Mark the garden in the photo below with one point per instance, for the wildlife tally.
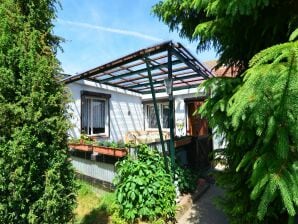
(87, 144)
(144, 192)
(255, 111)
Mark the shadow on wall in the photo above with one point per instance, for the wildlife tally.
(114, 125)
(134, 114)
(74, 112)
(124, 118)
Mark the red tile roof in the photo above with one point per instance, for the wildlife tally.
(223, 71)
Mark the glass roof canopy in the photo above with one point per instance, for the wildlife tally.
(131, 72)
(147, 71)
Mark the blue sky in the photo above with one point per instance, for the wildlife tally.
(99, 31)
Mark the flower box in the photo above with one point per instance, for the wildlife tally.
(117, 152)
(80, 146)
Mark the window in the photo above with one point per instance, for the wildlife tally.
(165, 116)
(151, 118)
(95, 116)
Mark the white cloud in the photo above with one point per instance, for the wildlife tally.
(111, 30)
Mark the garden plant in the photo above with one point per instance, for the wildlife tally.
(36, 177)
(256, 111)
(144, 189)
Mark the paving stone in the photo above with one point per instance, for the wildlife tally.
(203, 211)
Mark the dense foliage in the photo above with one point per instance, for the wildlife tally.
(144, 189)
(257, 111)
(186, 179)
(236, 29)
(36, 178)
(260, 123)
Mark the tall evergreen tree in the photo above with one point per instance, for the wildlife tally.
(236, 29)
(259, 120)
(36, 177)
(257, 111)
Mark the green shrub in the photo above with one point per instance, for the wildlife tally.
(109, 205)
(186, 179)
(120, 144)
(37, 180)
(106, 143)
(143, 187)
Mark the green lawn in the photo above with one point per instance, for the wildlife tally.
(90, 209)
(98, 207)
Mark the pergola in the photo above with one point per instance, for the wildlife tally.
(165, 67)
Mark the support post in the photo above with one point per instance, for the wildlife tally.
(157, 114)
(171, 113)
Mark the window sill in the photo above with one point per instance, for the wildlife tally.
(156, 129)
(99, 135)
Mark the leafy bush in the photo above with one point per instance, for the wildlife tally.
(109, 205)
(143, 187)
(106, 143)
(121, 144)
(84, 139)
(112, 144)
(186, 179)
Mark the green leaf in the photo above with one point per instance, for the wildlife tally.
(119, 197)
(144, 191)
(294, 35)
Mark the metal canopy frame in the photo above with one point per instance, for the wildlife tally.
(145, 72)
(130, 72)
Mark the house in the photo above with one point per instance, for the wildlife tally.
(222, 71)
(147, 96)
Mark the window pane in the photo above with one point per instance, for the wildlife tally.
(98, 111)
(165, 116)
(93, 116)
(86, 115)
(152, 122)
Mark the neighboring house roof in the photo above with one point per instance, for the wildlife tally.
(132, 72)
(222, 71)
(64, 75)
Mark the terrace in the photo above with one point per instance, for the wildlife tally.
(164, 68)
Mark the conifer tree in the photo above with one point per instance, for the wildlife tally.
(260, 123)
(255, 112)
(36, 176)
(237, 30)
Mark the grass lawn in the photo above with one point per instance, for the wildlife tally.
(98, 207)
(89, 208)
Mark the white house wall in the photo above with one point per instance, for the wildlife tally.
(180, 106)
(126, 110)
(98, 170)
(181, 113)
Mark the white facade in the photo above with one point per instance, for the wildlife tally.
(180, 106)
(97, 170)
(126, 113)
(125, 109)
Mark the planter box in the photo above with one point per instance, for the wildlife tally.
(117, 152)
(81, 147)
(183, 141)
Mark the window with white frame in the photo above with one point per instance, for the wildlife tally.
(151, 121)
(94, 114)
